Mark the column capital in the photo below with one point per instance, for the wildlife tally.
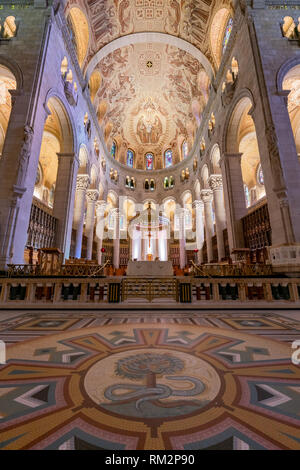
(206, 195)
(198, 204)
(115, 212)
(82, 182)
(215, 182)
(92, 195)
(101, 208)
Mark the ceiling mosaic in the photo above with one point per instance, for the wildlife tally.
(151, 97)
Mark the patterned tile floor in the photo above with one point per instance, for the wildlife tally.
(157, 380)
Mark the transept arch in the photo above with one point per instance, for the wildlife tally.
(8, 84)
(79, 26)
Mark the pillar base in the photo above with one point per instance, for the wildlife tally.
(285, 258)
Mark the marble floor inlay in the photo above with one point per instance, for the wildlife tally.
(86, 380)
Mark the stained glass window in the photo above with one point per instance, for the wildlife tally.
(166, 182)
(260, 175)
(247, 195)
(113, 149)
(168, 158)
(185, 149)
(149, 161)
(227, 33)
(171, 181)
(130, 158)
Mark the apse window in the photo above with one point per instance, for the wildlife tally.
(227, 33)
(149, 161)
(185, 149)
(130, 158)
(260, 176)
(113, 149)
(168, 158)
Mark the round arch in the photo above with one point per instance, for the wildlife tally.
(61, 107)
(15, 70)
(215, 156)
(149, 37)
(233, 119)
(205, 176)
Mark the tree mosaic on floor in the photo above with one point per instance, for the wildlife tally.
(149, 387)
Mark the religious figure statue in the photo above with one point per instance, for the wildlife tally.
(25, 154)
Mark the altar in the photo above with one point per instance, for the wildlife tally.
(149, 268)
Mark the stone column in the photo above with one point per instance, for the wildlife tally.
(182, 254)
(63, 206)
(234, 198)
(81, 187)
(116, 255)
(206, 195)
(199, 229)
(100, 211)
(216, 185)
(91, 196)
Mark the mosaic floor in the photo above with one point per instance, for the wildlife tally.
(111, 380)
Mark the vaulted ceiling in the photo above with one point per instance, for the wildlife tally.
(149, 96)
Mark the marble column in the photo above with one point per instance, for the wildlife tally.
(182, 254)
(198, 205)
(207, 197)
(81, 187)
(91, 197)
(116, 255)
(63, 206)
(216, 185)
(100, 211)
(234, 198)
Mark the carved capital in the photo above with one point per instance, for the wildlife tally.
(82, 182)
(92, 195)
(101, 208)
(198, 204)
(215, 182)
(206, 195)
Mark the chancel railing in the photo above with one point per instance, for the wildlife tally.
(236, 270)
(42, 226)
(149, 289)
(58, 292)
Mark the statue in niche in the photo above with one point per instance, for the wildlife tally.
(25, 154)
